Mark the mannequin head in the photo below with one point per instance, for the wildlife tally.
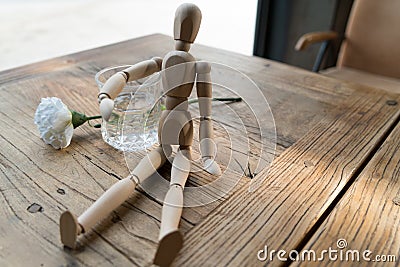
(186, 25)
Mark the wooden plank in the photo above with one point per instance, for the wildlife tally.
(302, 183)
(368, 215)
(281, 84)
(36, 171)
(75, 73)
(32, 172)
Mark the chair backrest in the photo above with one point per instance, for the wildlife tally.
(373, 38)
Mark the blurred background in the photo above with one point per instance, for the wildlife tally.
(35, 30)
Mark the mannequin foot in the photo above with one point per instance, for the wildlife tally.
(168, 248)
(212, 167)
(69, 229)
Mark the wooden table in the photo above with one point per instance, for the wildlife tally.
(335, 175)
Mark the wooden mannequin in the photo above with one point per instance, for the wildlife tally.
(175, 128)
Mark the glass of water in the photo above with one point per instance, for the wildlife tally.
(133, 123)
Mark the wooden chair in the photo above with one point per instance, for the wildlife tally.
(370, 51)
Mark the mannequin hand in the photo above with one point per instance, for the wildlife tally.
(106, 108)
(212, 167)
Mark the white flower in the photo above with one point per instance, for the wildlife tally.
(54, 121)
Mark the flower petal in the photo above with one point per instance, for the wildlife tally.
(54, 122)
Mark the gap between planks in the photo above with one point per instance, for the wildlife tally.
(232, 234)
(319, 223)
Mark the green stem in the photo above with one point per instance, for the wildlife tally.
(223, 99)
(93, 117)
(79, 118)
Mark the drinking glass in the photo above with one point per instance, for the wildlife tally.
(133, 123)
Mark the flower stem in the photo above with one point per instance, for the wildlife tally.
(79, 118)
(223, 99)
(93, 117)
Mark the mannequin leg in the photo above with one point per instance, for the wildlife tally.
(170, 239)
(71, 227)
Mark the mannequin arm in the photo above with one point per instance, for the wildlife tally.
(204, 93)
(116, 83)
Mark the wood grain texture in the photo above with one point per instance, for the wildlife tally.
(72, 178)
(300, 186)
(282, 85)
(368, 216)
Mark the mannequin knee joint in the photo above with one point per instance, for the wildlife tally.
(203, 67)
